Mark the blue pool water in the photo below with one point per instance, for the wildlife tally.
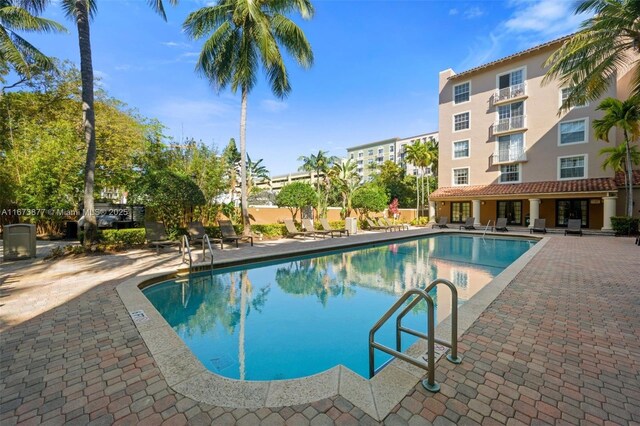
(300, 316)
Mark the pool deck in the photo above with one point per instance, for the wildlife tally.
(560, 344)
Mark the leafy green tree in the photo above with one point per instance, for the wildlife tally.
(626, 116)
(167, 195)
(296, 196)
(346, 179)
(607, 43)
(241, 35)
(81, 11)
(393, 179)
(231, 157)
(15, 52)
(369, 198)
(320, 164)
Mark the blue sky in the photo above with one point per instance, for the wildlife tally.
(375, 74)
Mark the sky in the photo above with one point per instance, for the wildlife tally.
(374, 77)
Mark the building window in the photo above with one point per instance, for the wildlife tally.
(360, 154)
(461, 121)
(512, 78)
(510, 148)
(369, 161)
(370, 152)
(461, 149)
(460, 278)
(572, 209)
(460, 211)
(461, 92)
(461, 176)
(351, 156)
(510, 173)
(392, 157)
(380, 151)
(572, 132)
(359, 162)
(564, 94)
(392, 148)
(574, 167)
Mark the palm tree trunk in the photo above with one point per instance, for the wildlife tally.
(88, 120)
(629, 175)
(417, 198)
(243, 163)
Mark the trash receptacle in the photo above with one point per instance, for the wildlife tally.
(19, 241)
(351, 224)
(71, 230)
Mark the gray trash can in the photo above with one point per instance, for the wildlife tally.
(351, 223)
(19, 241)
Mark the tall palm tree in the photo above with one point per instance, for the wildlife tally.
(626, 116)
(242, 34)
(254, 171)
(15, 52)
(319, 164)
(616, 159)
(609, 41)
(81, 12)
(418, 155)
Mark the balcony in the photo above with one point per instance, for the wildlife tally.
(508, 125)
(507, 156)
(508, 94)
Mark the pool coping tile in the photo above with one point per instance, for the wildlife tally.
(377, 397)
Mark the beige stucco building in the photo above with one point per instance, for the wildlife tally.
(505, 151)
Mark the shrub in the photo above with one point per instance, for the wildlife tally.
(122, 237)
(274, 230)
(369, 199)
(420, 221)
(624, 225)
(296, 196)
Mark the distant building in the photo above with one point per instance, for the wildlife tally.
(275, 183)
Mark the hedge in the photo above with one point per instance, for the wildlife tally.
(125, 237)
(624, 225)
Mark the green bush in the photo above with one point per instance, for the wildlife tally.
(420, 221)
(275, 230)
(122, 237)
(624, 225)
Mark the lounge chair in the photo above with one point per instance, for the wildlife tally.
(374, 227)
(197, 233)
(400, 226)
(325, 225)
(468, 224)
(229, 234)
(441, 223)
(292, 231)
(156, 235)
(501, 225)
(574, 226)
(539, 225)
(307, 224)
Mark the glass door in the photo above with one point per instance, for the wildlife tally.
(512, 210)
(572, 209)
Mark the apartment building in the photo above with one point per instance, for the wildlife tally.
(275, 183)
(373, 154)
(505, 152)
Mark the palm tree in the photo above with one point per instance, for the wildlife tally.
(418, 155)
(81, 11)
(241, 35)
(608, 42)
(319, 164)
(346, 178)
(617, 160)
(15, 51)
(255, 170)
(626, 116)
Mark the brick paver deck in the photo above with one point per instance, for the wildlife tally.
(560, 345)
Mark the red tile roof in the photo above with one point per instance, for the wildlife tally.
(620, 178)
(550, 187)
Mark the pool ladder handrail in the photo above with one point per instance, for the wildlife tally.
(186, 249)
(420, 294)
(486, 228)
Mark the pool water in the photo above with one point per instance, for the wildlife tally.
(301, 316)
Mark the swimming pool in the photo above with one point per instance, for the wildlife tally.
(300, 316)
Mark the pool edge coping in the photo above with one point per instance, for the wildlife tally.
(186, 375)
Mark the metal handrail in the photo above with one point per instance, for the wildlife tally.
(204, 255)
(453, 344)
(485, 229)
(186, 250)
(429, 383)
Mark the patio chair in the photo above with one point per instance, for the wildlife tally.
(325, 225)
(539, 225)
(197, 233)
(293, 232)
(307, 224)
(574, 226)
(156, 235)
(501, 225)
(400, 226)
(374, 227)
(441, 223)
(468, 224)
(382, 222)
(229, 234)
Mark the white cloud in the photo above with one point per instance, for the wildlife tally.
(271, 105)
(531, 23)
(473, 12)
(453, 11)
(177, 44)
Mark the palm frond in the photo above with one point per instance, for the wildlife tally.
(19, 19)
(293, 40)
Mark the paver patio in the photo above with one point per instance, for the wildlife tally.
(561, 344)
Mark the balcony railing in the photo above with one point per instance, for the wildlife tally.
(511, 92)
(512, 155)
(509, 124)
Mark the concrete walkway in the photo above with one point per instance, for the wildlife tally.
(561, 344)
